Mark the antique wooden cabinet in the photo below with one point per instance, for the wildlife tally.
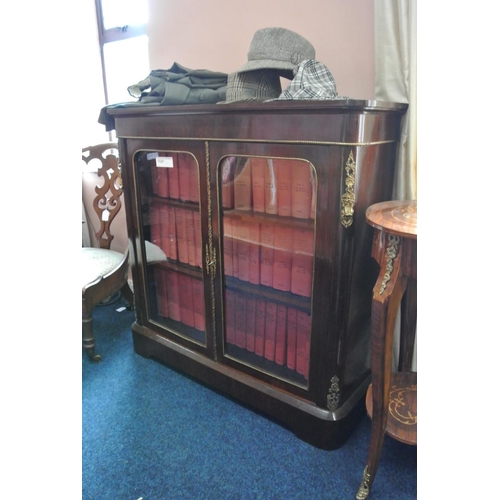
(252, 269)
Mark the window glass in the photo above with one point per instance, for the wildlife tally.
(124, 12)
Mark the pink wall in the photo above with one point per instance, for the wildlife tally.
(216, 35)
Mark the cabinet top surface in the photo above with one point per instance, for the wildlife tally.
(316, 106)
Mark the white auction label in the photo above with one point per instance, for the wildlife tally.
(165, 161)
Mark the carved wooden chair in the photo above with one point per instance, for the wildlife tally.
(104, 271)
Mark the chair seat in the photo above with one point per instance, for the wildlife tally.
(97, 262)
(153, 254)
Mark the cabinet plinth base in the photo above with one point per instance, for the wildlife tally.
(319, 427)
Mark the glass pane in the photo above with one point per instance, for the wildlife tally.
(118, 13)
(268, 221)
(127, 63)
(169, 187)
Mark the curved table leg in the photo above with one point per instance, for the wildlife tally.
(387, 295)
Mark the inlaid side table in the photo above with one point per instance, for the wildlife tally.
(391, 399)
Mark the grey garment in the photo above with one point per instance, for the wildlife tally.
(174, 86)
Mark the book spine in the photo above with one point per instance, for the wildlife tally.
(259, 166)
(154, 176)
(282, 263)
(301, 189)
(302, 262)
(198, 304)
(180, 229)
(250, 335)
(284, 188)
(266, 254)
(172, 253)
(194, 186)
(291, 337)
(186, 297)
(271, 189)
(235, 227)
(161, 292)
(242, 236)
(173, 178)
(280, 354)
(191, 246)
(197, 239)
(303, 343)
(243, 185)
(270, 331)
(154, 220)
(162, 182)
(228, 245)
(260, 325)
(164, 229)
(173, 294)
(227, 182)
(241, 320)
(254, 253)
(184, 177)
(230, 317)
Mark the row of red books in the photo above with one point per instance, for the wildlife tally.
(281, 187)
(175, 175)
(180, 297)
(269, 254)
(177, 231)
(278, 333)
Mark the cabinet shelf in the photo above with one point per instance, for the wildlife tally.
(263, 218)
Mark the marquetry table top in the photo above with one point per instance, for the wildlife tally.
(395, 217)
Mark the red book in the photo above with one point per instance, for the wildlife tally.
(251, 311)
(164, 229)
(242, 235)
(235, 226)
(241, 320)
(174, 303)
(197, 239)
(186, 298)
(282, 259)
(254, 252)
(271, 188)
(259, 166)
(230, 317)
(162, 181)
(180, 230)
(198, 304)
(172, 253)
(194, 186)
(154, 220)
(302, 262)
(301, 189)
(227, 182)
(184, 176)
(266, 254)
(228, 245)
(260, 326)
(191, 245)
(243, 185)
(173, 178)
(270, 331)
(280, 354)
(303, 343)
(284, 188)
(291, 337)
(312, 214)
(161, 292)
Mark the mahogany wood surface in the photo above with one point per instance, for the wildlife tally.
(328, 135)
(392, 398)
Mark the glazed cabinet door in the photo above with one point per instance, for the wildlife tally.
(170, 200)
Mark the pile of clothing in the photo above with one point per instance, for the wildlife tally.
(274, 53)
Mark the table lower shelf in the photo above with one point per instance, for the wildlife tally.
(402, 413)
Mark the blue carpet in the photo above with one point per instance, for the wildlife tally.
(151, 432)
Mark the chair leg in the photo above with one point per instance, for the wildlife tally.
(128, 296)
(88, 338)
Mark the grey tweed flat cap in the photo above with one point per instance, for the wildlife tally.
(278, 48)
